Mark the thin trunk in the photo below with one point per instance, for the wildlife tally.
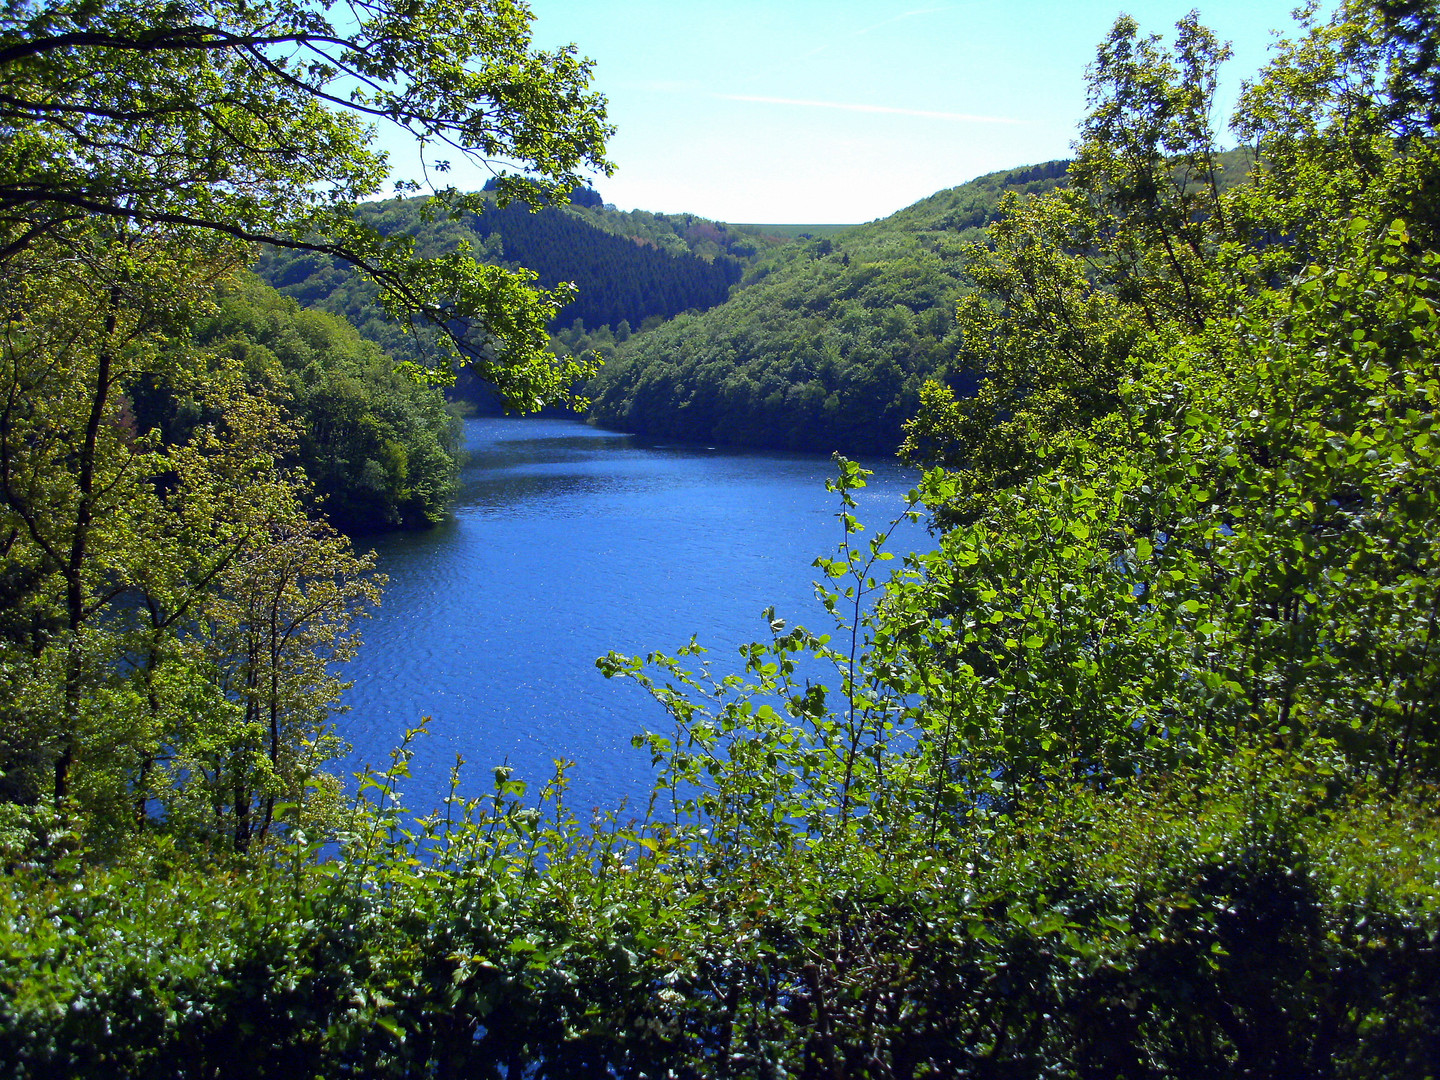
(242, 817)
(79, 549)
(152, 700)
(274, 709)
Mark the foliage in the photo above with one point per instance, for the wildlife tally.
(1152, 241)
(1074, 287)
(255, 121)
(629, 279)
(169, 609)
(627, 268)
(816, 891)
(679, 233)
(130, 675)
(1134, 775)
(1345, 121)
(825, 345)
(1245, 552)
(379, 447)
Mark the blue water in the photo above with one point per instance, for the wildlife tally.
(567, 542)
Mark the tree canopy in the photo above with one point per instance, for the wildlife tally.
(825, 343)
(626, 267)
(378, 448)
(256, 121)
(172, 602)
(1152, 241)
(1133, 774)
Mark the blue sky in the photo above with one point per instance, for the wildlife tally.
(840, 111)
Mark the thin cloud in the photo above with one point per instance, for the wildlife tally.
(876, 26)
(929, 114)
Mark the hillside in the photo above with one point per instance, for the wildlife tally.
(828, 341)
(631, 269)
(1129, 771)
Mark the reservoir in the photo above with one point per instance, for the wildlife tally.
(567, 542)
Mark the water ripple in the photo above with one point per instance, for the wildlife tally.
(568, 542)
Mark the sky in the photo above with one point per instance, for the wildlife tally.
(836, 111)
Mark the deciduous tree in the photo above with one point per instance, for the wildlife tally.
(257, 122)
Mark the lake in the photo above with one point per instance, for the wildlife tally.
(566, 542)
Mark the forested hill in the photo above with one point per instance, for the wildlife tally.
(624, 271)
(827, 343)
(630, 268)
